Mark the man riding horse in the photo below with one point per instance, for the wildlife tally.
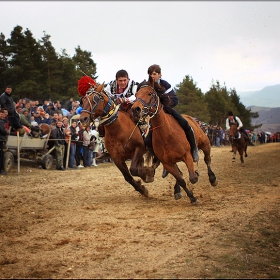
(169, 100)
(122, 90)
(234, 119)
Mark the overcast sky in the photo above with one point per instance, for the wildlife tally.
(235, 43)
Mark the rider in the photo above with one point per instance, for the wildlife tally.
(154, 72)
(234, 119)
(122, 90)
(6, 101)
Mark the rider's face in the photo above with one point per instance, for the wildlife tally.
(122, 82)
(155, 76)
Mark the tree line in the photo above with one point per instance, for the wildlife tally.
(35, 70)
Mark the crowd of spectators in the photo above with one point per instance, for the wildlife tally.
(219, 137)
(85, 143)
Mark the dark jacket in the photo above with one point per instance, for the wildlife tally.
(168, 98)
(7, 102)
(57, 133)
(3, 131)
(74, 134)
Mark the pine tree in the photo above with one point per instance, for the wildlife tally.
(191, 100)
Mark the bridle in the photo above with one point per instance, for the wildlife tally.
(149, 109)
(237, 133)
(110, 111)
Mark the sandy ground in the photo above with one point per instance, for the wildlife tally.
(90, 223)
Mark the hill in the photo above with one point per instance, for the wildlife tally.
(267, 97)
(269, 117)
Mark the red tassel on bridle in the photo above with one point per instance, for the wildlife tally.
(84, 84)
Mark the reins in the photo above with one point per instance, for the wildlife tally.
(109, 114)
(146, 110)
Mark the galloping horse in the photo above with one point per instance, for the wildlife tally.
(169, 131)
(239, 142)
(123, 139)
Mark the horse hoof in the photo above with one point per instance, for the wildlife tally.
(197, 172)
(149, 179)
(233, 160)
(193, 181)
(177, 196)
(194, 202)
(145, 192)
(214, 184)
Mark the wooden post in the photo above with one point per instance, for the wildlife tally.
(68, 150)
(18, 152)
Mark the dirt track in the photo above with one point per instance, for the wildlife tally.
(90, 223)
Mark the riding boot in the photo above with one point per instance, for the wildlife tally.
(188, 131)
(192, 141)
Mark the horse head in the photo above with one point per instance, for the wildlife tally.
(92, 104)
(96, 103)
(147, 102)
(233, 131)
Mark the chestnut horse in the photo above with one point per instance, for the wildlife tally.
(123, 139)
(169, 141)
(239, 142)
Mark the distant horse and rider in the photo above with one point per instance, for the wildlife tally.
(239, 142)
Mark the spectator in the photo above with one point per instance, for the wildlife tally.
(6, 101)
(86, 141)
(96, 148)
(3, 138)
(6, 119)
(74, 138)
(69, 104)
(50, 109)
(59, 136)
(37, 117)
(217, 136)
(46, 119)
(79, 145)
(24, 118)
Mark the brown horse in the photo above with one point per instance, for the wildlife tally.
(239, 142)
(123, 139)
(167, 131)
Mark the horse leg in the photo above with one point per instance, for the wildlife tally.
(137, 167)
(245, 150)
(234, 154)
(127, 176)
(180, 181)
(241, 156)
(193, 175)
(177, 191)
(165, 172)
(211, 175)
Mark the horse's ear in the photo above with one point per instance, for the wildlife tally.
(100, 87)
(141, 84)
